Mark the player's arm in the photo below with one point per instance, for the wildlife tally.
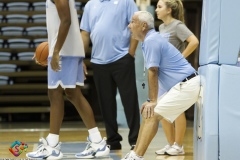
(63, 10)
(65, 18)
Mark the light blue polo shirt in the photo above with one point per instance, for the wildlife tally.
(107, 21)
(172, 66)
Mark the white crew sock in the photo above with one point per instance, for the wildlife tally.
(95, 135)
(52, 139)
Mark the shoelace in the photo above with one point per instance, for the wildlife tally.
(177, 147)
(87, 147)
(41, 147)
(166, 147)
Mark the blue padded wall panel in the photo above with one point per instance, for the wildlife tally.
(209, 41)
(206, 115)
(229, 32)
(229, 112)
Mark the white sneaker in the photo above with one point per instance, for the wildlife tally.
(93, 150)
(175, 150)
(163, 150)
(132, 156)
(45, 151)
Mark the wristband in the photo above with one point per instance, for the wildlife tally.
(148, 100)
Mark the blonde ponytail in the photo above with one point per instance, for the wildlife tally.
(177, 9)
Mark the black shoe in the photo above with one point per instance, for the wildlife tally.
(132, 147)
(115, 146)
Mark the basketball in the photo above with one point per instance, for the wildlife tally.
(41, 53)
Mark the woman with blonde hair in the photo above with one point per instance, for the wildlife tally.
(171, 12)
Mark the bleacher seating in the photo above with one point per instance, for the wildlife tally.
(12, 31)
(18, 43)
(4, 80)
(8, 68)
(1, 18)
(17, 6)
(36, 30)
(1, 6)
(24, 89)
(17, 18)
(39, 18)
(39, 6)
(24, 56)
(28, 89)
(1, 43)
(5, 56)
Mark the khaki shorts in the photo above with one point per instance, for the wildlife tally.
(178, 99)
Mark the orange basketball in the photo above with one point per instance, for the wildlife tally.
(41, 53)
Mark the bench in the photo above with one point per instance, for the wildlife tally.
(21, 109)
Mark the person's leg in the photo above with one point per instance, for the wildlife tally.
(125, 67)
(180, 128)
(97, 145)
(168, 129)
(56, 109)
(148, 130)
(75, 96)
(106, 91)
(51, 146)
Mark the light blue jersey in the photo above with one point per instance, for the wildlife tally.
(172, 66)
(107, 21)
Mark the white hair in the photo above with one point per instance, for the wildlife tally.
(147, 17)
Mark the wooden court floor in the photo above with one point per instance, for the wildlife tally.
(73, 132)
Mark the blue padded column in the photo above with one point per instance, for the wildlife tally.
(206, 115)
(229, 32)
(210, 32)
(229, 112)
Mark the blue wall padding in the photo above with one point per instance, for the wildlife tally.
(209, 41)
(206, 115)
(229, 112)
(229, 32)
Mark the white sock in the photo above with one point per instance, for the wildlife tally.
(95, 135)
(52, 139)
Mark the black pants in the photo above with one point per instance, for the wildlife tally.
(109, 77)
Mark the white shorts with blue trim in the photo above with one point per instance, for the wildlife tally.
(178, 99)
(70, 75)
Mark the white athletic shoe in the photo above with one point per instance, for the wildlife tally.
(132, 156)
(44, 151)
(163, 150)
(93, 150)
(175, 150)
